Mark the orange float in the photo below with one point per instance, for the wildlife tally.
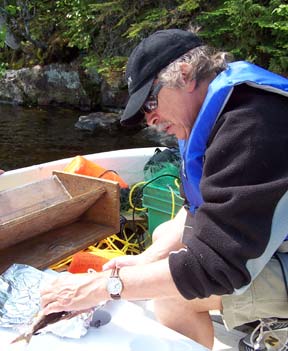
(82, 261)
(80, 165)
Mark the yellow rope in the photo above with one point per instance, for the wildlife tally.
(130, 196)
(173, 202)
(61, 263)
(176, 182)
(109, 247)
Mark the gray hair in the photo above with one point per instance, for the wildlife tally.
(204, 62)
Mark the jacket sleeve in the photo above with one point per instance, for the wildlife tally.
(245, 174)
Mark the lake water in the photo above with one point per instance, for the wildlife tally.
(34, 135)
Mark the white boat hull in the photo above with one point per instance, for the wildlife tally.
(127, 163)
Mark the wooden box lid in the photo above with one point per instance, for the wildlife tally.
(45, 221)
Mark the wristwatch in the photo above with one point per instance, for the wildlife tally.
(114, 284)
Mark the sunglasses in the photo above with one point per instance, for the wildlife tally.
(152, 101)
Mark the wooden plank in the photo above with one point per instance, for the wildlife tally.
(52, 217)
(33, 197)
(44, 250)
(106, 211)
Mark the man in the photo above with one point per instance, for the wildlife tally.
(231, 122)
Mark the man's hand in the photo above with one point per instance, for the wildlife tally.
(74, 292)
(127, 260)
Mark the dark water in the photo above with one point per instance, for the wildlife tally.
(33, 135)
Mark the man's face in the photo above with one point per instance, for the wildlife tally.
(176, 111)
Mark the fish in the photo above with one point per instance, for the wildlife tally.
(42, 321)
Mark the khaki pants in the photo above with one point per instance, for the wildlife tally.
(266, 297)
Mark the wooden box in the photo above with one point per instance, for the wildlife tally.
(48, 220)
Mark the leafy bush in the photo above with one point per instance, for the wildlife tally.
(254, 30)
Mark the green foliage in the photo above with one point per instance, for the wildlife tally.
(78, 22)
(12, 9)
(3, 68)
(151, 19)
(103, 32)
(277, 47)
(91, 61)
(115, 64)
(250, 30)
(188, 5)
(107, 8)
(3, 32)
(108, 67)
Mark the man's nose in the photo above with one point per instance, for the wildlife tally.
(151, 119)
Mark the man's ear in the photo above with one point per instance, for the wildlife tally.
(186, 75)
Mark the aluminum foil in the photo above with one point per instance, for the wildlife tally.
(20, 302)
(19, 295)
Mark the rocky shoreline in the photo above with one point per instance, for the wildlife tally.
(67, 85)
(61, 85)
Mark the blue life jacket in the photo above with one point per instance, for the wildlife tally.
(219, 92)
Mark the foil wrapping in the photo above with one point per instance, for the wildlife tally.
(20, 288)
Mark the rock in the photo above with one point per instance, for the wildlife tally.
(99, 122)
(55, 84)
(10, 91)
(63, 85)
(91, 82)
(115, 94)
(110, 123)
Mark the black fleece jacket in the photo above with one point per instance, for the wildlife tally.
(245, 174)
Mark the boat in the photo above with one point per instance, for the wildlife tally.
(140, 331)
(128, 163)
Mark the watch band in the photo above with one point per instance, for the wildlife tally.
(115, 274)
(115, 296)
(115, 284)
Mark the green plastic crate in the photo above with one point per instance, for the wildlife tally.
(158, 200)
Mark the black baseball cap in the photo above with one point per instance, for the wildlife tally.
(147, 60)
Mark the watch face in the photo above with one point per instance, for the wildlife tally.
(114, 285)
